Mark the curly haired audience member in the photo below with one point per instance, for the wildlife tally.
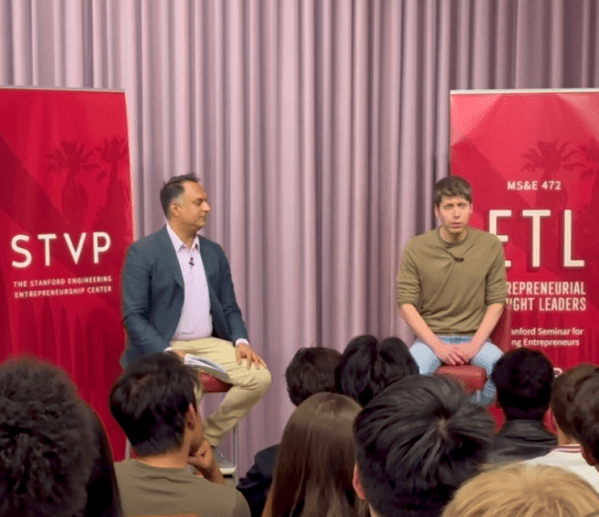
(155, 404)
(523, 380)
(53, 461)
(416, 442)
(313, 474)
(368, 366)
(524, 490)
(312, 370)
(568, 453)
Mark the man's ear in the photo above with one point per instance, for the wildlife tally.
(357, 484)
(191, 417)
(437, 212)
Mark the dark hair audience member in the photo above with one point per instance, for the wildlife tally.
(154, 402)
(586, 416)
(368, 366)
(54, 458)
(568, 453)
(523, 490)
(523, 379)
(416, 442)
(313, 474)
(563, 393)
(150, 402)
(312, 370)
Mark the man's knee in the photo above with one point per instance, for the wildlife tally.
(259, 379)
(487, 356)
(264, 378)
(425, 358)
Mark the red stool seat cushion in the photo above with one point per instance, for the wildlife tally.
(211, 384)
(472, 377)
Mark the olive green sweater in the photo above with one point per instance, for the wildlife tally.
(452, 284)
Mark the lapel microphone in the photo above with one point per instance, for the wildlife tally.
(191, 261)
(458, 259)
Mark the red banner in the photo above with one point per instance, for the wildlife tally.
(533, 161)
(65, 222)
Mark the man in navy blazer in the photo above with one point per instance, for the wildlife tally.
(178, 293)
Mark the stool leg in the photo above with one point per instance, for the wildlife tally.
(236, 453)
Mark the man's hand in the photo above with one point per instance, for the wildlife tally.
(468, 350)
(244, 351)
(452, 355)
(204, 461)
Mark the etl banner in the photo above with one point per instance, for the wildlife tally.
(65, 225)
(532, 158)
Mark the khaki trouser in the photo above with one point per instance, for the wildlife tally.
(248, 385)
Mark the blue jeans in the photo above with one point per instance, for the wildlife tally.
(486, 358)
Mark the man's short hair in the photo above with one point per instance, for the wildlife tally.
(150, 400)
(172, 189)
(46, 445)
(523, 379)
(586, 414)
(312, 370)
(520, 489)
(416, 442)
(367, 366)
(452, 186)
(563, 392)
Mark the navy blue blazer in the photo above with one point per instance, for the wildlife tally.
(153, 294)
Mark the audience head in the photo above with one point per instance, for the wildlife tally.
(523, 379)
(311, 371)
(151, 400)
(46, 445)
(563, 391)
(416, 442)
(367, 366)
(524, 490)
(452, 186)
(173, 189)
(586, 416)
(313, 473)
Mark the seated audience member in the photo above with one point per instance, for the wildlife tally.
(568, 453)
(586, 416)
(524, 490)
(313, 474)
(54, 459)
(368, 366)
(523, 379)
(416, 442)
(312, 370)
(154, 402)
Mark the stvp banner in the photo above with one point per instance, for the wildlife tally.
(65, 225)
(532, 158)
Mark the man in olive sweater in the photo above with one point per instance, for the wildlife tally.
(451, 287)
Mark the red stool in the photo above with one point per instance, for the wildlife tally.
(211, 384)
